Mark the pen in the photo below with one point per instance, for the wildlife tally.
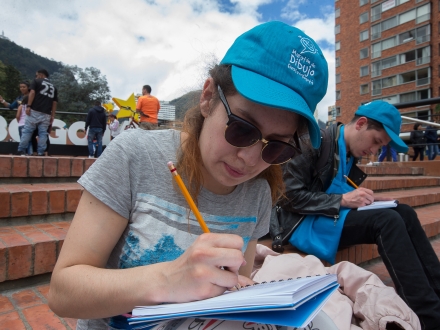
(351, 182)
(188, 198)
(192, 205)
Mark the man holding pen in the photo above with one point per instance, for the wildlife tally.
(320, 212)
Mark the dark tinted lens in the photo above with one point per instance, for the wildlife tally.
(241, 134)
(277, 152)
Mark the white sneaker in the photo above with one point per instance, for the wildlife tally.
(91, 157)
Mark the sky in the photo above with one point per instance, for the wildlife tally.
(167, 44)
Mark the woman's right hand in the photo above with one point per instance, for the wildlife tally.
(197, 273)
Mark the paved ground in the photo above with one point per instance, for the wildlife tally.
(28, 309)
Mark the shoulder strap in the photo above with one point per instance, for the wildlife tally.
(324, 150)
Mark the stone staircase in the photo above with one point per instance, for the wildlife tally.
(39, 195)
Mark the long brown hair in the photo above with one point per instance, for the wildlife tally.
(189, 156)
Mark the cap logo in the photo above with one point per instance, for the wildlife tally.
(302, 66)
(308, 45)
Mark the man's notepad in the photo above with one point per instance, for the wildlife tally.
(379, 205)
(293, 302)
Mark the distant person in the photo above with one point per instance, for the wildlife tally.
(113, 126)
(96, 122)
(24, 89)
(384, 153)
(432, 141)
(34, 140)
(148, 107)
(417, 138)
(41, 108)
(21, 118)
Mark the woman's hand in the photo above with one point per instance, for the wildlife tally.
(197, 273)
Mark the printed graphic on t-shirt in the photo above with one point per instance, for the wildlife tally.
(161, 231)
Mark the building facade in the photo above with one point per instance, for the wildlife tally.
(386, 50)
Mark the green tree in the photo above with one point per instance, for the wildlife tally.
(10, 79)
(79, 88)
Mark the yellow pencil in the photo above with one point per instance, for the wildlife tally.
(351, 182)
(188, 198)
(192, 206)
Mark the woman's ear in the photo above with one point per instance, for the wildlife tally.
(206, 99)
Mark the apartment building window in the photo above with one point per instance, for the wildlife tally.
(337, 62)
(337, 29)
(338, 78)
(363, 17)
(374, 1)
(338, 95)
(420, 77)
(421, 34)
(423, 13)
(364, 53)
(337, 12)
(420, 55)
(420, 14)
(389, 23)
(363, 2)
(337, 45)
(338, 111)
(365, 89)
(375, 31)
(414, 96)
(376, 12)
(364, 70)
(363, 35)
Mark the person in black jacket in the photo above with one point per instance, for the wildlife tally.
(432, 140)
(96, 122)
(325, 204)
(417, 138)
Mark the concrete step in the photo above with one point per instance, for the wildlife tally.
(30, 250)
(44, 169)
(415, 197)
(400, 182)
(390, 169)
(20, 200)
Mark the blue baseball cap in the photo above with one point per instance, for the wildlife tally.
(388, 115)
(279, 66)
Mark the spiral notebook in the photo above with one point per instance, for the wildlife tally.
(293, 302)
(379, 205)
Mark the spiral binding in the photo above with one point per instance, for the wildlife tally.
(289, 279)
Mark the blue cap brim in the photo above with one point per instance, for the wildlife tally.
(270, 93)
(396, 142)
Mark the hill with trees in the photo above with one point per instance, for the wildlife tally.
(186, 102)
(25, 60)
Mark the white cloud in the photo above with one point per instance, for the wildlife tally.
(165, 43)
(321, 30)
(291, 10)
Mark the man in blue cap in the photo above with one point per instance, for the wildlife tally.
(320, 212)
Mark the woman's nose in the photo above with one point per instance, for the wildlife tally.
(250, 155)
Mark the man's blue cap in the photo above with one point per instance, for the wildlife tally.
(389, 117)
(279, 66)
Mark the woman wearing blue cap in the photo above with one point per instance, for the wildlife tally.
(133, 240)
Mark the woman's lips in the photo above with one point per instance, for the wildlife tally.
(234, 172)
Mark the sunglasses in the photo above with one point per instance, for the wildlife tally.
(242, 134)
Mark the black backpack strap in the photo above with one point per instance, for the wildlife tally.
(324, 151)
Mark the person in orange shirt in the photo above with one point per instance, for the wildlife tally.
(148, 107)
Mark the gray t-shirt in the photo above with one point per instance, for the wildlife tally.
(132, 178)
